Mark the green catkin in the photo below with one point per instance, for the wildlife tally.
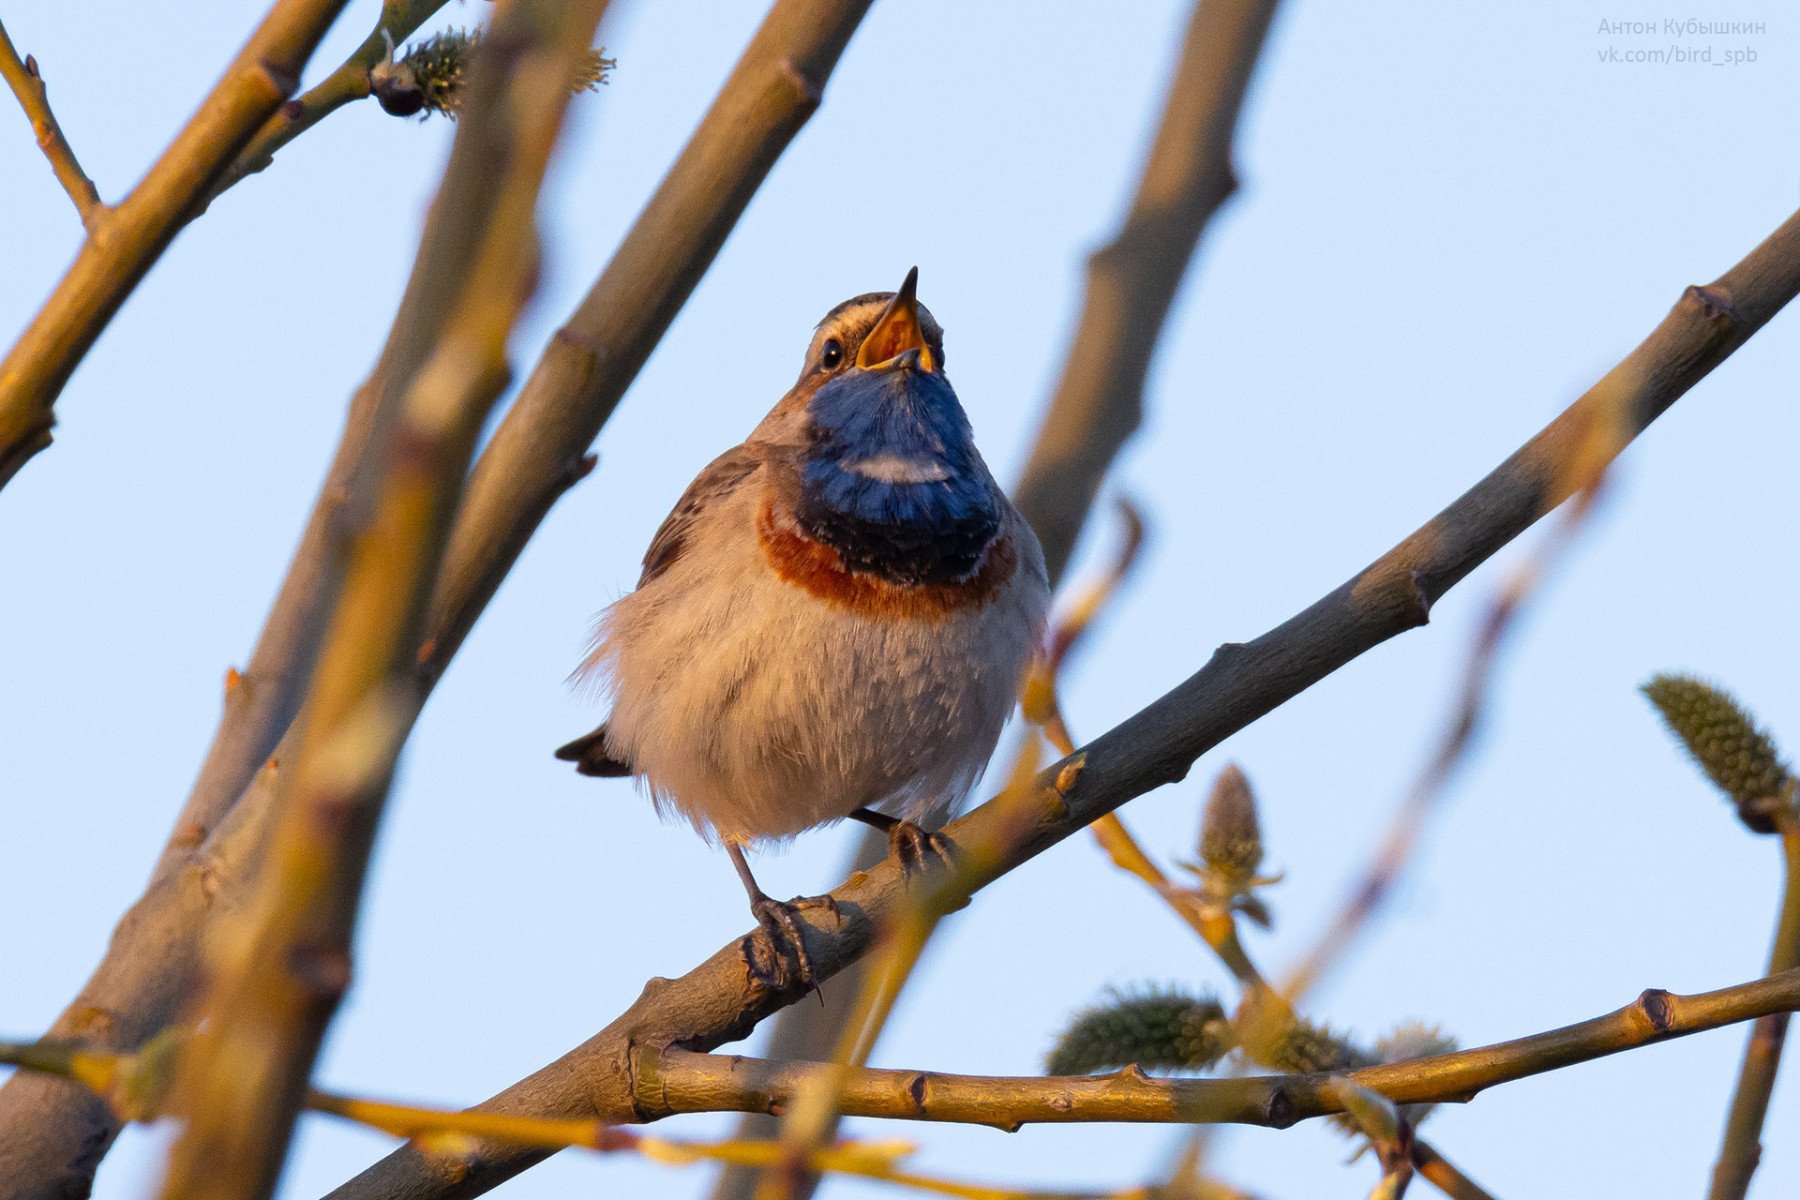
(1162, 1030)
(1725, 741)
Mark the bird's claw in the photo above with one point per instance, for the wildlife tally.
(912, 846)
(769, 962)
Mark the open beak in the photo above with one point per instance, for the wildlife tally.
(898, 331)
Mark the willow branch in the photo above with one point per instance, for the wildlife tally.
(56, 1134)
(671, 1080)
(1742, 1148)
(348, 83)
(538, 448)
(716, 1003)
(1131, 285)
(132, 235)
(278, 971)
(27, 83)
(1264, 1009)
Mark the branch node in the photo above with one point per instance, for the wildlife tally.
(808, 91)
(1716, 305)
(580, 469)
(915, 1088)
(1657, 1007)
(285, 81)
(1420, 597)
(323, 972)
(1278, 1109)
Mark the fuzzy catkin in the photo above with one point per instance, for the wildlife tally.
(1156, 1030)
(1723, 739)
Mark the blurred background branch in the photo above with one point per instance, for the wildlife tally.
(278, 969)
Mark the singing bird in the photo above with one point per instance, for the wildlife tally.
(834, 620)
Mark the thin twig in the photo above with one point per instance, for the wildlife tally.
(1742, 1148)
(716, 1003)
(123, 1082)
(27, 83)
(279, 970)
(671, 1081)
(348, 83)
(259, 80)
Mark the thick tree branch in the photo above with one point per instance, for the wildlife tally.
(1186, 177)
(27, 83)
(716, 1003)
(1742, 1148)
(133, 234)
(279, 968)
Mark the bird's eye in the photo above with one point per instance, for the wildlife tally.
(832, 354)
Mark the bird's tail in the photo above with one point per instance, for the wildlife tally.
(589, 755)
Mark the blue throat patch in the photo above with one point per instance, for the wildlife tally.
(892, 481)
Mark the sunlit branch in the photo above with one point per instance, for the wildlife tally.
(672, 1081)
(278, 969)
(27, 83)
(1742, 1149)
(132, 235)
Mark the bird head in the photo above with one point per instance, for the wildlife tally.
(877, 331)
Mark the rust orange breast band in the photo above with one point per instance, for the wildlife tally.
(816, 567)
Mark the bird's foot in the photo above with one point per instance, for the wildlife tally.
(909, 845)
(914, 847)
(776, 954)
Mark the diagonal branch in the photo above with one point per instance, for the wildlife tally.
(279, 968)
(134, 233)
(350, 82)
(715, 1003)
(27, 83)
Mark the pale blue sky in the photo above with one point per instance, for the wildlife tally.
(1453, 220)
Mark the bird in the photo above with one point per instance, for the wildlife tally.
(833, 622)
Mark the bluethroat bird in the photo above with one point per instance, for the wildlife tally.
(834, 620)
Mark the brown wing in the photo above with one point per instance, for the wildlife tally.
(721, 477)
